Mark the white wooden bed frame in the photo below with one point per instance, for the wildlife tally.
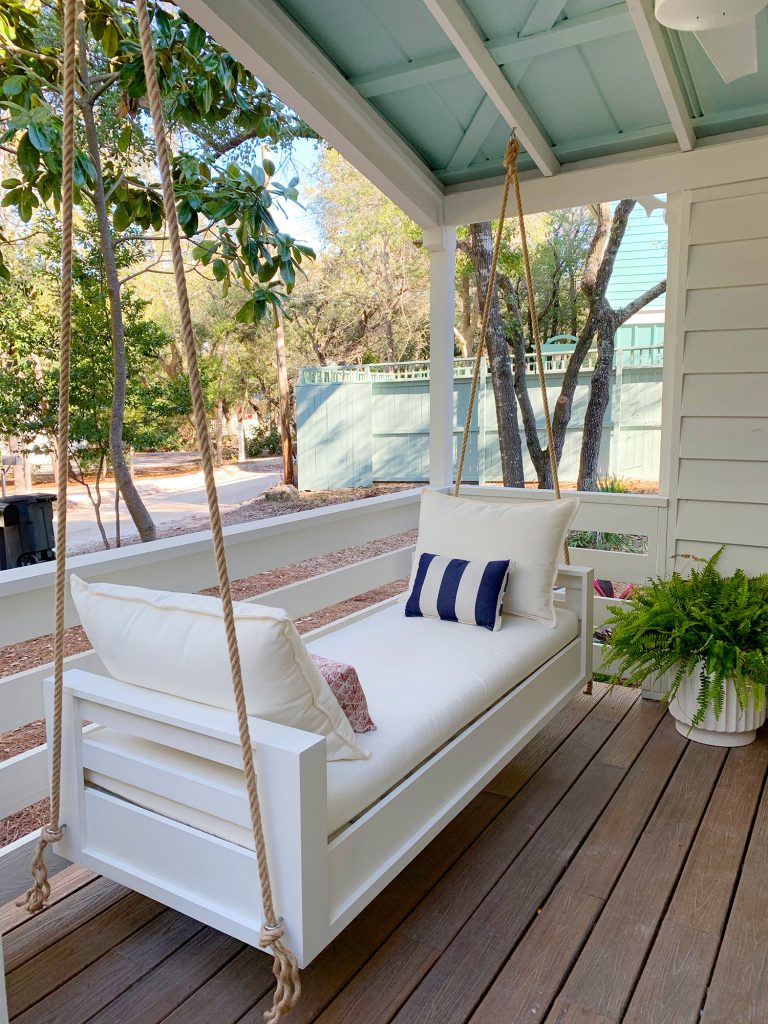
(320, 883)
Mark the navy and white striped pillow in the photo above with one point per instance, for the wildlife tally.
(459, 591)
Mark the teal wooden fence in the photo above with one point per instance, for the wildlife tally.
(360, 425)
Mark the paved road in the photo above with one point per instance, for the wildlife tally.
(171, 499)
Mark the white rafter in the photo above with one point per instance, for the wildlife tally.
(543, 16)
(461, 31)
(652, 40)
(583, 28)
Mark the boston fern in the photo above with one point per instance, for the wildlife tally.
(711, 625)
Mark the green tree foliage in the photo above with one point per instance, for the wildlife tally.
(29, 366)
(214, 107)
(367, 297)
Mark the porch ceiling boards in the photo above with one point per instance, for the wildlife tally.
(612, 873)
(581, 78)
(420, 96)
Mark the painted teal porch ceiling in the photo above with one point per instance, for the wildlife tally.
(577, 66)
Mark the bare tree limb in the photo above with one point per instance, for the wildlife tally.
(623, 314)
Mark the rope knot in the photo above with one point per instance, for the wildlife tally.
(286, 971)
(512, 153)
(51, 834)
(271, 933)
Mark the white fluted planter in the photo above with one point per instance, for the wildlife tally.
(736, 726)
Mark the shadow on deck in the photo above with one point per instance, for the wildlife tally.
(613, 872)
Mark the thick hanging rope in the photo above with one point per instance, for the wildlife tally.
(36, 897)
(535, 323)
(286, 969)
(510, 162)
(484, 318)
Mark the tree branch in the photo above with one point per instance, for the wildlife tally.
(109, 80)
(623, 314)
(596, 249)
(618, 228)
(234, 142)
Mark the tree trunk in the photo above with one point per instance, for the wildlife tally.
(131, 497)
(598, 403)
(539, 456)
(241, 436)
(285, 401)
(554, 327)
(574, 309)
(481, 248)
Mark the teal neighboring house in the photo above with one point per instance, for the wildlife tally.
(357, 425)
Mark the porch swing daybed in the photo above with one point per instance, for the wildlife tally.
(223, 778)
(155, 798)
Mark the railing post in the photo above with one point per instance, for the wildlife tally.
(441, 245)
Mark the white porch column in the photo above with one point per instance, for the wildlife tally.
(441, 245)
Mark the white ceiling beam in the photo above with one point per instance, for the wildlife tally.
(483, 119)
(649, 172)
(613, 143)
(270, 44)
(464, 36)
(652, 40)
(543, 16)
(584, 28)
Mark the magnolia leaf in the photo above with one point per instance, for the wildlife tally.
(14, 85)
(124, 139)
(196, 38)
(110, 41)
(38, 138)
(28, 156)
(121, 218)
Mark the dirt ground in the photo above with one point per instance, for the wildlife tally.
(32, 653)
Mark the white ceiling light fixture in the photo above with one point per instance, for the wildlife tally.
(725, 28)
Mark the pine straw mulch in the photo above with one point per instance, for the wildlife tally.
(33, 653)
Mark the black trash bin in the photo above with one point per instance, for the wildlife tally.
(26, 530)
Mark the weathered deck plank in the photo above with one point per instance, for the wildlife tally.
(612, 874)
(533, 975)
(738, 993)
(605, 973)
(673, 984)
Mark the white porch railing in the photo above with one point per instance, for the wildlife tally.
(555, 361)
(186, 563)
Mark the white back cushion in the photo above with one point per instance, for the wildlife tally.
(176, 643)
(530, 534)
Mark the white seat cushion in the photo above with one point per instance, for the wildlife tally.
(425, 680)
(531, 534)
(176, 643)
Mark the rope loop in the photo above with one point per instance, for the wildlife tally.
(511, 153)
(35, 898)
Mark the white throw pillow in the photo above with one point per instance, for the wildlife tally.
(530, 534)
(176, 643)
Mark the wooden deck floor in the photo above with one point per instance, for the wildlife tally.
(613, 872)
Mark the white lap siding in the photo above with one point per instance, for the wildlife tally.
(716, 411)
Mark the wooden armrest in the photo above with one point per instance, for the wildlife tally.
(188, 715)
